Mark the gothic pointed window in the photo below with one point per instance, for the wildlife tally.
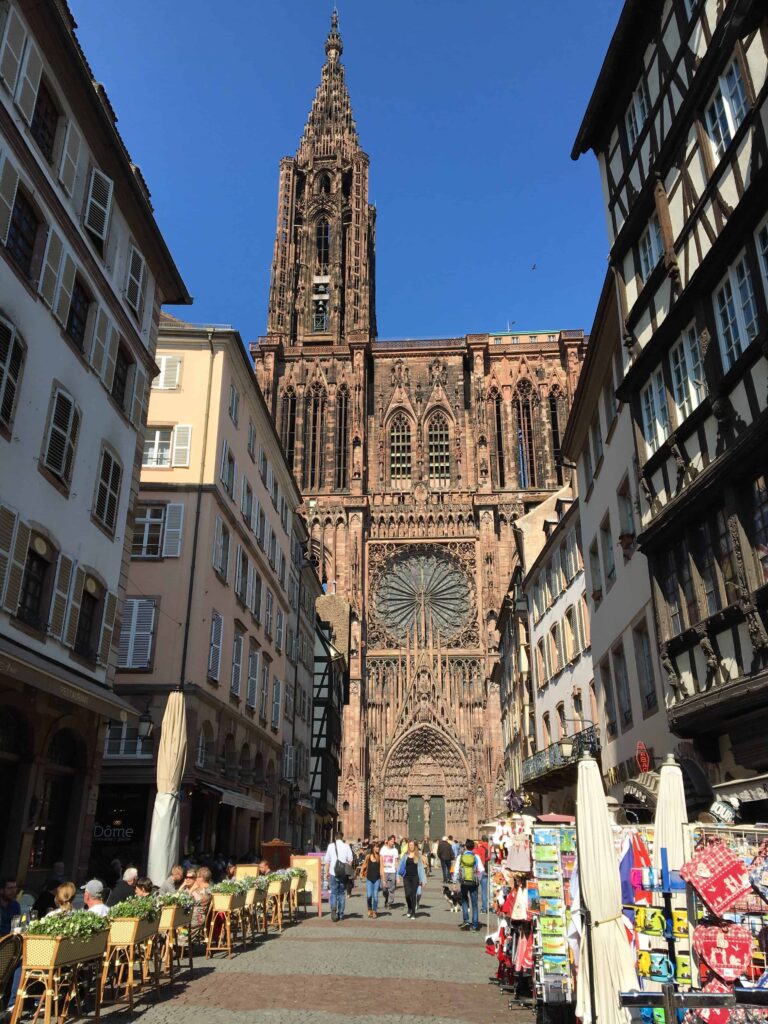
(439, 448)
(323, 244)
(341, 475)
(498, 437)
(288, 424)
(314, 436)
(400, 448)
(523, 409)
(556, 408)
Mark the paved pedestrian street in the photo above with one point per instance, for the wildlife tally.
(318, 972)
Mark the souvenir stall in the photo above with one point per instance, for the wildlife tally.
(510, 938)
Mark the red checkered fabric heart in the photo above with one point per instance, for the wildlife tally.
(726, 948)
(717, 1016)
(718, 876)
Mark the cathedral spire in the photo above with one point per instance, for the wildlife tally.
(330, 127)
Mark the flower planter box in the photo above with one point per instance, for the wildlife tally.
(174, 917)
(126, 931)
(45, 951)
(279, 888)
(228, 900)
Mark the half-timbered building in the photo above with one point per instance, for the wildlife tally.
(678, 122)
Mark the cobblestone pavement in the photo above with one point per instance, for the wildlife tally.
(388, 971)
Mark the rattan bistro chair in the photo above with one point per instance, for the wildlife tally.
(10, 955)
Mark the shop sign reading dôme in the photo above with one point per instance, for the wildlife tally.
(112, 833)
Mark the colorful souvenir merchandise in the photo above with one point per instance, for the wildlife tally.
(554, 857)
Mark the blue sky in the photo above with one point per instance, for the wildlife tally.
(468, 112)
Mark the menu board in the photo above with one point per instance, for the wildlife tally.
(312, 863)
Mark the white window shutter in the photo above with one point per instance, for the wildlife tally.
(136, 281)
(29, 82)
(98, 204)
(253, 678)
(139, 391)
(214, 655)
(254, 513)
(8, 520)
(237, 662)
(107, 628)
(69, 157)
(49, 278)
(12, 49)
(9, 181)
(99, 340)
(73, 608)
(108, 369)
(217, 542)
(64, 294)
(223, 467)
(171, 372)
(249, 587)
(142, 641)
(62, 435)
(580, 626)
(174, 528)
(16, 566)
(182, 443)
(238, 569)
(60, 600)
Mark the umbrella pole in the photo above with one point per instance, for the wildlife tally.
(590, 962)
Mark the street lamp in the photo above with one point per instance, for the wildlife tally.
(146, 725)
(567, 742)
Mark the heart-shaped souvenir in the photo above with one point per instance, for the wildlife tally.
(726, 949)
(716, 1016)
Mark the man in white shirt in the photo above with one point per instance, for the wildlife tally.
(390, 859)
(338, 852)
(93, 898)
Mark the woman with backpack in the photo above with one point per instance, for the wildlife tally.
(412, 872)
(372, 872)
(467, 874)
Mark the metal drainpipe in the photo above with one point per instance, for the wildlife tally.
(180, 685)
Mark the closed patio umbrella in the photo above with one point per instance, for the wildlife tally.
(612, 961)
(171, 755)
(671, 816)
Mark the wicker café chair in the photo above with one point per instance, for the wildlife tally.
(10, 955)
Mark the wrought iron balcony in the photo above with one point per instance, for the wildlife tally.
(544, 769)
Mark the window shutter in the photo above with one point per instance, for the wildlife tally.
(144, 624)
(9, 181)
(168, 378)
(254, 513)
(237, 661)
(581, 631)
(111, 357)
(238, 569)
(249, 586)
(98, 204)
(8, 520)
(64, 295)
(101, 327)
(136, 282)
(223, 467)
(60, 599)
(74, 608)
(182, 442)
(49, 279)
(214, 656)
(253, 678)
(107, 628)
(108, 489)
(174, 528)
(29, 83)
(11, 363)
(12, 49)
(139, 390)
(62, 436)
(560, 644)
(217, 538)
(256, 608)
(69, 157)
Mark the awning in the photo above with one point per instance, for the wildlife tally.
(27, 667)
(234, 799)
(644, 789)
(745, 790)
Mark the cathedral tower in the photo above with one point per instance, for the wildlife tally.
(414, 459)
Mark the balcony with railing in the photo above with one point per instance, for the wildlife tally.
(554, 767)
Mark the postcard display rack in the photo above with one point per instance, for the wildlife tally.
(554, 853)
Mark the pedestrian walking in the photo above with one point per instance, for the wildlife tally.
(445, 856)
(371, 872)
(339, 864)
(466, 874)
(390, 858)
(411, 870)
(483, 852)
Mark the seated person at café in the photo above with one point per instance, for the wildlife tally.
(125, 888)
(174, 880)
(63, 897)
(9, 905)
(93, 898)
(144, 886)
(45, 902)
(264, 868)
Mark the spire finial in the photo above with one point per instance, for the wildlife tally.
(333, 44)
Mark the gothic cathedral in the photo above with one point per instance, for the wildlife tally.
(415, 458)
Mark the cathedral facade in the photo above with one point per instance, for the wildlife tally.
(414, 458)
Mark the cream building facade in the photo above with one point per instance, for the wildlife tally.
(211, 601)
(84, 270)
